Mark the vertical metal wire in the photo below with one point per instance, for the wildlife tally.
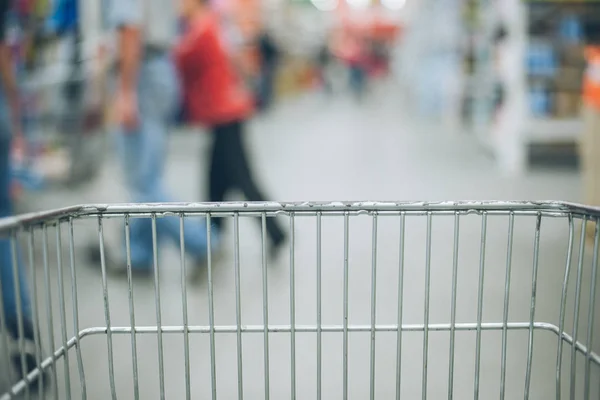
(109, 341)
(591, 309)
(345, 322)
(20, 311)
(184, 307)
(319, 304)
(480, 303)
(49, 308)
(453, 305)
(293, 305)
(35, 312)
(62, 308)
(265, 303)
(509, 249)
(563, 304)
(211, 309)
(536, 254)
(159, 333)
(76, 309)
(400, 305)
(373, 303)
(136, 388)
(3, 317)
(576, 311)
(238, 303)
(426, 308)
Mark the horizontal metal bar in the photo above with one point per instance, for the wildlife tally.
(20, 387)
(255, 208)
(334, 213)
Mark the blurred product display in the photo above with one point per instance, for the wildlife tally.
(61, 101)
(538, 65)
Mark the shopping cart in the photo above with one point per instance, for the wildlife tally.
(375, 300)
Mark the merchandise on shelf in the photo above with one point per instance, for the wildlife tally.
(539, 101)
(541, 59)
(556, 58)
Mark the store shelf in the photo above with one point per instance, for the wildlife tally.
(549, 130)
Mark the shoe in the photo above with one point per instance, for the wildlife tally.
(26, 362)
(113, 266)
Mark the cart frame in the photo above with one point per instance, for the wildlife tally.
(10, 227)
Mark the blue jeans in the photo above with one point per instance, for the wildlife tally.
(7, 281)
(357, 79)
(142, 154)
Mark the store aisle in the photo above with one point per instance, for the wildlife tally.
(311, 149)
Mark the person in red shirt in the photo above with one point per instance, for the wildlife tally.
(215, 96)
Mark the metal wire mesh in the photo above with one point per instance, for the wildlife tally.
(374, 300)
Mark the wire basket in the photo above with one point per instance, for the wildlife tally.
(373, 300)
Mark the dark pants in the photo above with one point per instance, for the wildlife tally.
(266, 86)
(229, 169)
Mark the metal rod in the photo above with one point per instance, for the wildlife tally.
(19, 308)
(184, 307)
(345, 322)
(591, 310)
(136, 387)
(453, 306)
(426, 309)
(50, 318)
(259, 329)
(373, 304)
(400, 306)
(161, 365)
(35, 311)
(509, 250)
(480, 303)
(265, 303)
(577, 307)
(62, 307)
(293, 306)
(563, 305)
(536, 256)
(319, 305)
(76, 309)
(109, 341)
(253, 209)
(211, 309)
(238, 304)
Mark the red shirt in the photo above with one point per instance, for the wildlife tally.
(213, 93)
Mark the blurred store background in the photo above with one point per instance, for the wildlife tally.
(505, 76)
(356, 100)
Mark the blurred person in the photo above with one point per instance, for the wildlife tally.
(354, 53)
(324, 62)
(146, 98)
(590, 141)
(269, 60)
(215, 96)
(13, 290)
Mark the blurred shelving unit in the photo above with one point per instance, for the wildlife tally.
(543, 66)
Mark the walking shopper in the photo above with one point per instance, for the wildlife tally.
(216, 97)
(590, 145)
(324, 63)
(16, 304)
(146, 96)
(269, 59)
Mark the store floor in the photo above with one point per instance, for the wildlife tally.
(313, 149)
